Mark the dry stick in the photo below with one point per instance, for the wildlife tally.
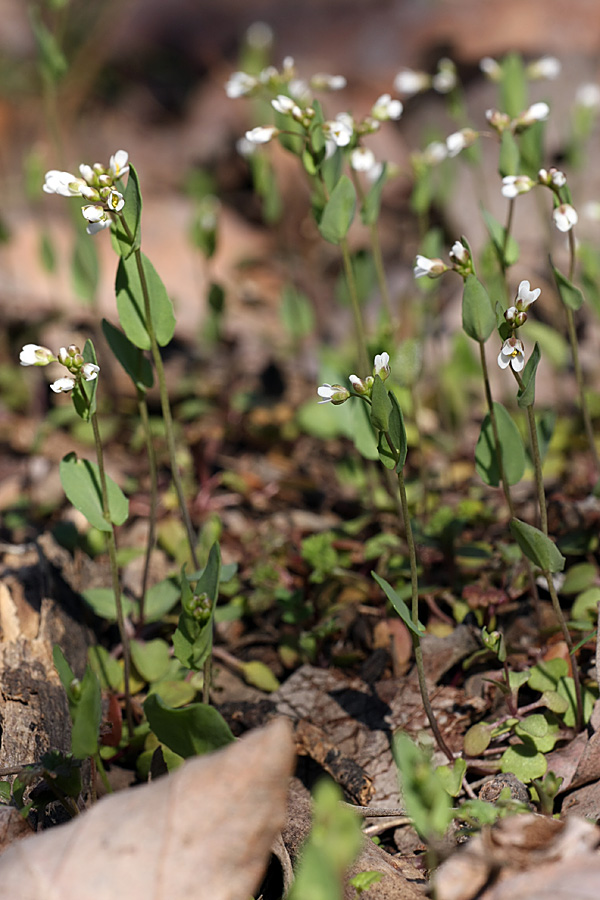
(414, 582)
(587, 421)
(114, 569)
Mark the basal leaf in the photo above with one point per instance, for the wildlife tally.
(191, 731)
(511, 448)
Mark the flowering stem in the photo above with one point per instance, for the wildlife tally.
(114, 569)
(587, 421)
(537, 459)
(358, 322)
(414, 612)
(143, 411)
(164, 399)
(494, 423)
(567, 636)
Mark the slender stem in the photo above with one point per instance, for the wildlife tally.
(358, 321)
(507, 230)
(164, 397)
(144, 418)
(102, 773)
(414, 582)
(537, 459)
(377, 254)
(494, 423)
(567, 636)
(114, 570)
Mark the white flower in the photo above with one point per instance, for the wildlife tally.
(430, 267)
(512, 354)
(547, 67)
(358, 384)
(90, 371)
(35, 355)
(459, 140)
(435, 153)
(63, 384)
(340, 131)
(552, 176)
(513, 185)
(459, 252)
(115, 201)
(362, 159)
(324, 82)
(259, 35)
(588, 96)
(565, 216)
(491, 68)
(409, 82)
(87, 173)
(333, 393)
(119, 164)
(538, 112)
(385, 108)
(375, 171)
(244, 147)
(240, 84)
(381, 365)
(526, 296)
(283, 104)
(97, 217)
(300, 90)
(262, 134)
(67, 185)
(445, 78)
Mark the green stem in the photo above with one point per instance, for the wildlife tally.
(494, 423)
(567, 636)
(507, 230)
(537, 459)
(585, 412)
(164, 398)
(102, 773)
(114, 570)
(145, 420)
(377, 254)
(361, 340)
(414, 583)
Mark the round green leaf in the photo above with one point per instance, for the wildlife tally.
(511, 447)
(524, 761)
(586, 605)
(578, 578)
(173, 693)
(151, 658)
(535, 725)
(477, 739)
(80, 479)
(260, 676)
(196, 729)
(102, 602)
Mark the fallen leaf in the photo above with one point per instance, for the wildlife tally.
(203, 833)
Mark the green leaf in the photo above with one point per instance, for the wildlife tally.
(427, 802)
(570, 295)
(102, 601)
(108, 669)
(381, 406)
(535, 726)
(511, 448)
(497, 234)
(555, 703)
(129, 356)
(192, 640)
(87, 716)
(578, 578)
(477, 314)
(65, 672)
(173, 693)
(160, 599)
(191, 731)
(371, 205)
(545, 676)
(586, 605)
(297, 313)
(537, 546)
(524, 761)
(399, 605)
(526, 394)
(151, 659)
(452, 778)
(338, 212)
(130, 303)
(80, 479)
(513, 85)
(509, 155)
(85, 270)
(259, 676)
(477, 739)
(397, 431)
(132, 213)
(84, 392)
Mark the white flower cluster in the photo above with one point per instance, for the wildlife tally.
(410, 82)
(512, 352)
(547, 67)
(95, 183)
(242, 84)
(460, 258)
(564, 214)
(71, 359)
(338, 394)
